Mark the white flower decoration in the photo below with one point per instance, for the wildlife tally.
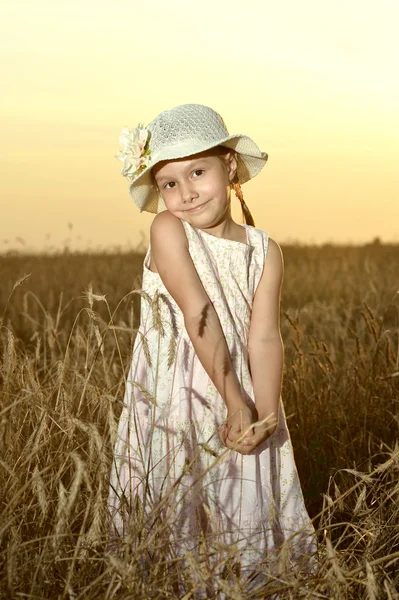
(135, 154)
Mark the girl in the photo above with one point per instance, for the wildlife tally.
(202, 440)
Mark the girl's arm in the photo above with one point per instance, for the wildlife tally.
(265, 346)
(170, 252)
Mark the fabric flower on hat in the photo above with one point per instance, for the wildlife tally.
(135, 153)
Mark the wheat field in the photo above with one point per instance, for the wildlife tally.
(68, 322)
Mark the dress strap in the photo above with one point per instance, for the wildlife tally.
(259, 241)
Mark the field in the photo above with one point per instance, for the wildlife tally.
(67, 326)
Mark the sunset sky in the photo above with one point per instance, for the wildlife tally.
(314, 83)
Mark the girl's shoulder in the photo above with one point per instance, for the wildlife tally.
(166, 227)
(272, 250)
(257, 237)
(255, 231)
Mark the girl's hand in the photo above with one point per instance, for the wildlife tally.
(263, 429)
(238, 423)
(232, 436)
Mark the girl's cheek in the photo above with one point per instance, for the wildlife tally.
(170, 204)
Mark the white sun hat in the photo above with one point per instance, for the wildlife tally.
(176, 133)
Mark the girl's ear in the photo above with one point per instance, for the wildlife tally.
(230, 159)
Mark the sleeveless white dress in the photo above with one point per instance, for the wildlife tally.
(167, 440)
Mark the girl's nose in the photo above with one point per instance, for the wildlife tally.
(188, 192)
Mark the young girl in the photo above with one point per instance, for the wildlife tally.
(202, 439)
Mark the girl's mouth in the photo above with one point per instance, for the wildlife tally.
(197, 208)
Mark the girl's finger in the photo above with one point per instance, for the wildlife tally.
(235, 438)
(231, 443)
(223, 434)
(248, 442)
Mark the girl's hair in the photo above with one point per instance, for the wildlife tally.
(246, 213)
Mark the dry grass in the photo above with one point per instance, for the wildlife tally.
(65, 345)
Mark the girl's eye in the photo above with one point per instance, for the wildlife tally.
(167, 185)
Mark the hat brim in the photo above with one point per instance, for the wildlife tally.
(250, 160)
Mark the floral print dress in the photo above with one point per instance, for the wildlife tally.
(168, 448)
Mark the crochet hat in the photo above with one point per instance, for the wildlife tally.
(176, 133)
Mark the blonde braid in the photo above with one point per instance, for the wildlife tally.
(246, 213)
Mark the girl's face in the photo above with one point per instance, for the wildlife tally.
(197, 188)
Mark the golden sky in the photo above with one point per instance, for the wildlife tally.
(315, 84)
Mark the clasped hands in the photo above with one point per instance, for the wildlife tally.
(244, 429)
